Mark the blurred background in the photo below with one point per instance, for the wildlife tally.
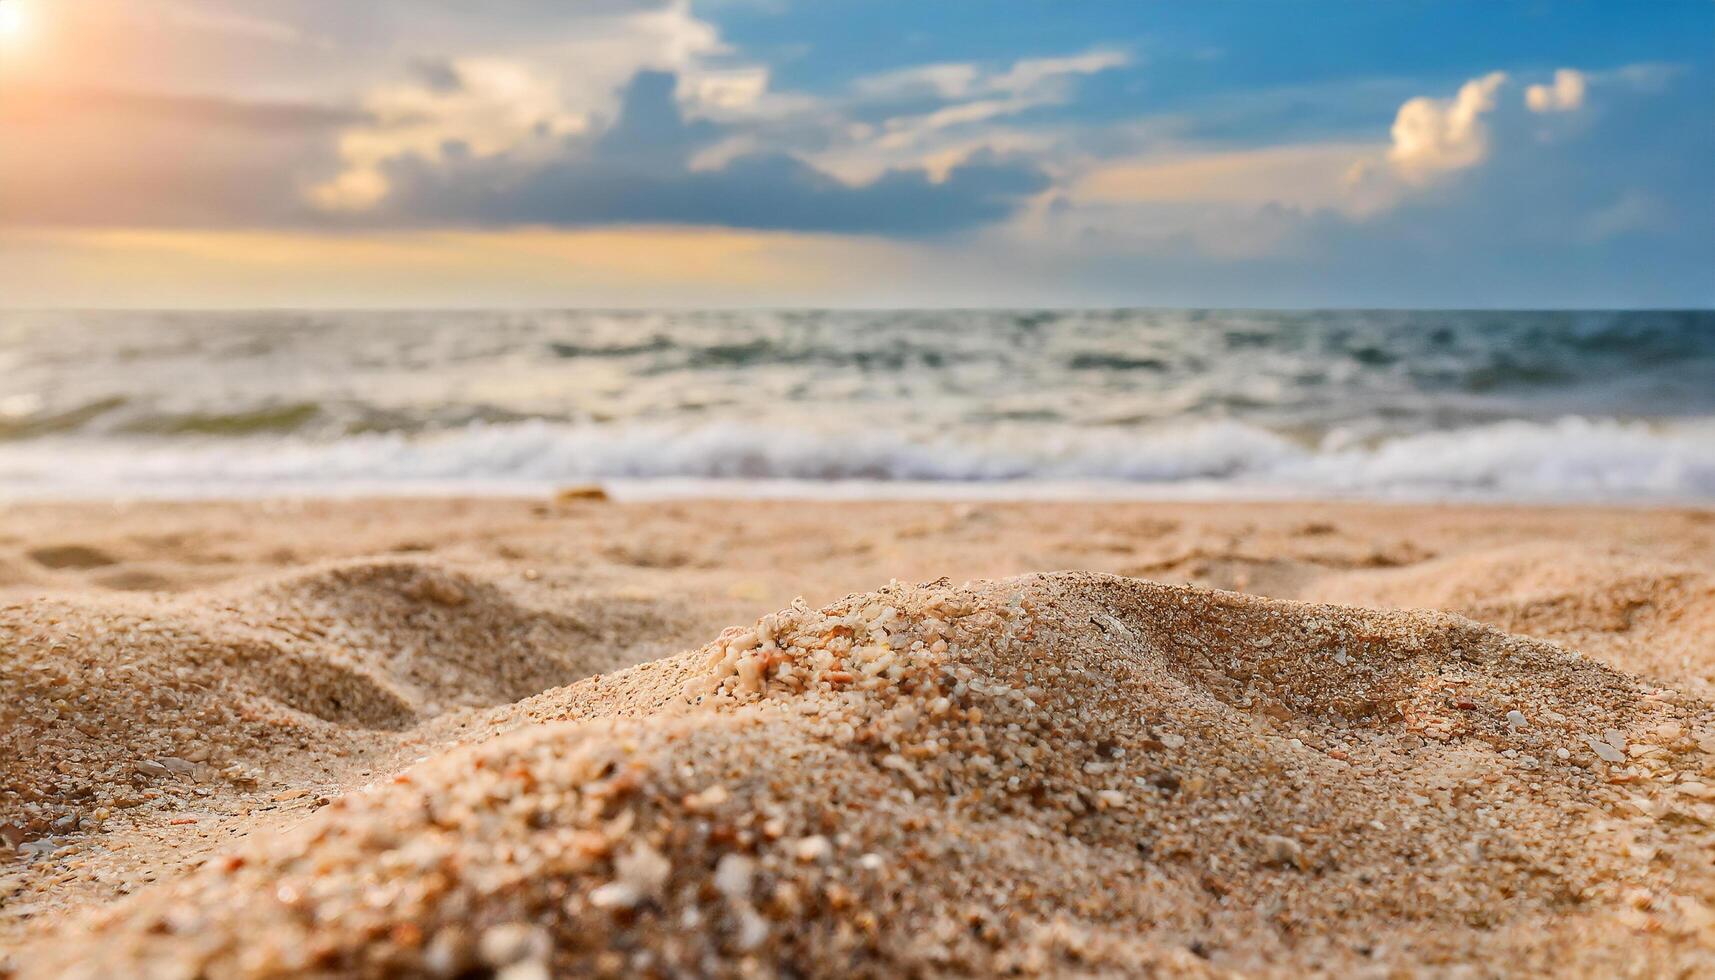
(831, 240)
(1558, 406)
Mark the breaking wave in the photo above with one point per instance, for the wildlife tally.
(1570, 459)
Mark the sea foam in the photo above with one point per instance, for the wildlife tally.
(1571, 459)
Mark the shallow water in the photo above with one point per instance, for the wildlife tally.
(1508, 405)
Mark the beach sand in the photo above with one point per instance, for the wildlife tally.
(522, 738)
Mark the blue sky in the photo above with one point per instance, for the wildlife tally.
(782, 152)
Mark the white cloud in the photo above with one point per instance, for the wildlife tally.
(911, 130)
(527, 100)
(1030, 76)
(990, 95)
(1565, 95)
(733, 89)
(969, 109)
(497, 106)
(523, 98)
(1432, 137)
(1241, 203)
(949, 80)
(1248, 202)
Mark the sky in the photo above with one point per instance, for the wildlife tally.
(663, 153)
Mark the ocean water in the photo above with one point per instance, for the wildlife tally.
(1575, 406)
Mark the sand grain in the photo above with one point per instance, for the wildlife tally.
(442, 763)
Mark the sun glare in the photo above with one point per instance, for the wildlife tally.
(12, 20)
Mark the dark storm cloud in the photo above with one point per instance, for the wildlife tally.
(638, 171)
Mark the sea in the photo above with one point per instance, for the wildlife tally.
(1552, 406)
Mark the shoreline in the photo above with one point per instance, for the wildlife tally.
(737, 491)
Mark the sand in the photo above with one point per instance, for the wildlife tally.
(523, 739)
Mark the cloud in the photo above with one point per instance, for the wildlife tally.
(1248, 201)
(1537, 223)
(522, 268)
(1565, 95)
(911, 131)
(1298, 175)
(97, 157)
(639, 171)
(732, 90)
(1032, 78)
(523, 106)
(204, 17)
(224, 113)
(1432, 137)
(1430, 141)
(1632, 212)
(480, 106)
(44, 106)
(1649, 77)
(626, 112)
(641, 122)
(1243, 202)
(987, 95)
(1459, 180)
(949, 80)
(437, 74)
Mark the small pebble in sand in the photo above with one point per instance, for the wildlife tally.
(1604, 749)
(733, 876)
(580, 492)
(813, 848)
(514, 942)
(1282, 851)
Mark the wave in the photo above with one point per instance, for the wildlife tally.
(1568, 459)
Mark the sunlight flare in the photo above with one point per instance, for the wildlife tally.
(13, 20)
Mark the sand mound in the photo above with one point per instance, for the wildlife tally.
(124, 704)
(445, 637)
(1645, 616)
(1070, 773)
